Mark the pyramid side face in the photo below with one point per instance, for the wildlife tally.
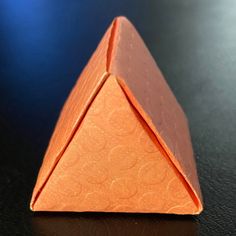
(150, 94)
(114, 164)
(89, 82)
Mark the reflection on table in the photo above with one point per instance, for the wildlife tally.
(112, 224)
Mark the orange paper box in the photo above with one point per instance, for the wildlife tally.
(122, 142)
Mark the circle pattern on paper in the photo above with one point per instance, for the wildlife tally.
(147, 143)
(153, 172)
(151, 201)
(177, 189)
(67, 185)
(72, 159)
(122, 157)
(124, 208)
(124, 187)
(92, 138)
(96, 201)
(93, 173)
(98, 106)
(121, 122)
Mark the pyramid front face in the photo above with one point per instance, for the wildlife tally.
(115, 164)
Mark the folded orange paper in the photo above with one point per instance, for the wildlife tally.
(122, 142)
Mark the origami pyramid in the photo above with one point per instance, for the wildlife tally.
(122, 142)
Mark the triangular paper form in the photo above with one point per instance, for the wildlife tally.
(123, 54)
(114, 163)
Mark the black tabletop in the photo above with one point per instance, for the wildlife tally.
(44, 45)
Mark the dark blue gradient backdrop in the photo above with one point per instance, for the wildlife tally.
(44, 45)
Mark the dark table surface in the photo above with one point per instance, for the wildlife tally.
(43, 47)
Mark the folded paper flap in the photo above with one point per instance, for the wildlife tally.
(132, 62)
(90, 80)
(178, 165)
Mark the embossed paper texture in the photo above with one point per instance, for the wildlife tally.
(121, 143)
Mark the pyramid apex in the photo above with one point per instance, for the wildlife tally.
(122, 19)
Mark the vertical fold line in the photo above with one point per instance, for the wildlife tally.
(110, 48)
